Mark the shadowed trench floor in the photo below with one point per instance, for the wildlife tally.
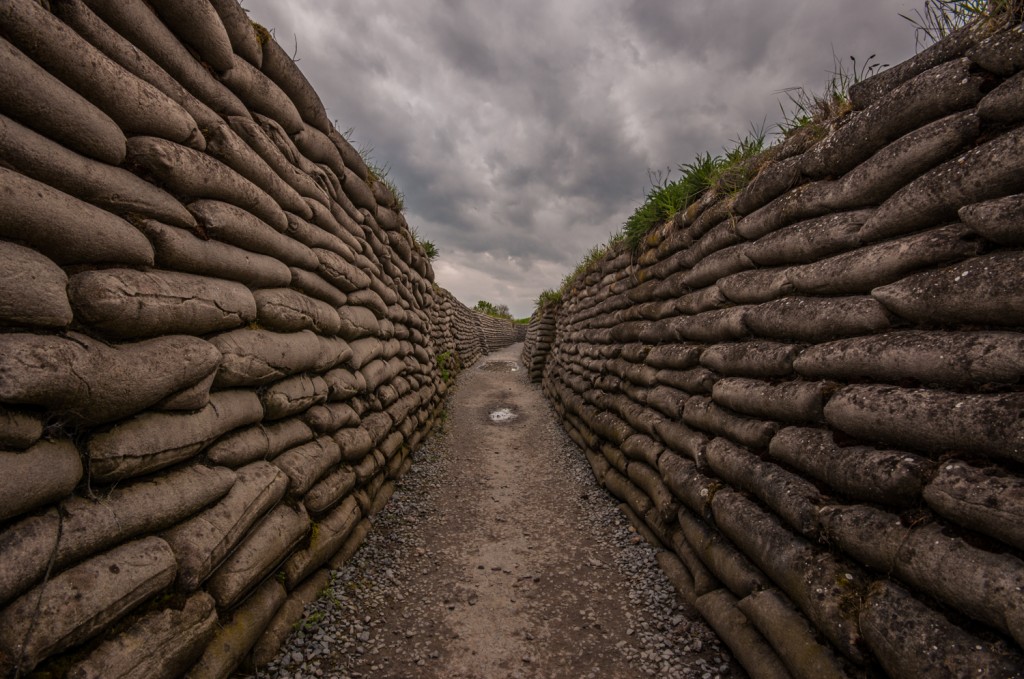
(499, 556)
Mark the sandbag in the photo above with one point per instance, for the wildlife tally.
(261, 94)
(344, 384)
(88, 526)
(983, 585)
(810, 240)
(23, 488)
(19, 428)
(111, 188)
(288, 618)
(888, 477)
(701, 413)
(330, 489)
(124, 303)
(180, 250)
(65, 229)
(327, 538)
(292, 395)
(82, 601)
(982, 290)
(677, 575)
(305, 464)
(817, 582)
(792, 498)
(816, 319)
(223, 144)
(137, 107)
(286, 310)
(77, 15)
(33, 289)
(240, 30)
(254, 357)
(751, 359)
(160, 645)
(746, 643)
(932, 420)
(136, 21)
(230, 224)
(326, 419)
(988, 500)
(722, 559)
(341, 273)
(999, 220)
(357, 322)
(990, 170)
(201, 543)
(869, 267)
(263, 549)
(259, 442)
(155, 440)
(237, 635)
(950, 86)
(951, 359)
(197, 25)
(313, 285)
(351, 545)
(93, 382)
(786, 402)
(189, 174)
(791, 636)
(912, 640)
(685, 482)
(306, 185)
(56, 111)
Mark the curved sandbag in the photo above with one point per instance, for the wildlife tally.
(198, 25)
(33, 290)
(191, 174)
(55, 110)
(136, 21)
(125, 303)
(111, 188)
(94, 382)
(77, 15)
(23, 488)
(135, 105)
(65, 229)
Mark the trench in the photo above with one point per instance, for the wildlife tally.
(498, 555)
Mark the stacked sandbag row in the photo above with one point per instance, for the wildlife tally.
(497, 333)
(540, 334)
(456, 332)
(810, 393)
(215, 340)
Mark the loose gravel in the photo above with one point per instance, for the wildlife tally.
(451, 583)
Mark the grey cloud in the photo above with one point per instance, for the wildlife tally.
(521, 132)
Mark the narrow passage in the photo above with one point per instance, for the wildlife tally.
(499, 556)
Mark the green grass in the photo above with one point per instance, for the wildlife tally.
(806, 108)
(429, 249)
(548, 297)
(726, 173)
(939, 18)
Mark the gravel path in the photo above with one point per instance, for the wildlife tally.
(499, 556)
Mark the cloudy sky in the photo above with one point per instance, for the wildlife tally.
(521, 132)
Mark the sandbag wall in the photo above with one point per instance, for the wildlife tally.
(215, 340)
(540, 333)
(498, 332)
(810, 392)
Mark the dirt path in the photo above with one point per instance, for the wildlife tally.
(500, 557)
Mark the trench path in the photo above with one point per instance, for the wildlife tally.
(499, 556)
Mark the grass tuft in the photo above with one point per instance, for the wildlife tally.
(939, 18)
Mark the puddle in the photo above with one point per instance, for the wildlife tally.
(503, 415)
(500, 366)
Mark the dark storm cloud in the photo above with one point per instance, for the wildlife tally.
(521, 133)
